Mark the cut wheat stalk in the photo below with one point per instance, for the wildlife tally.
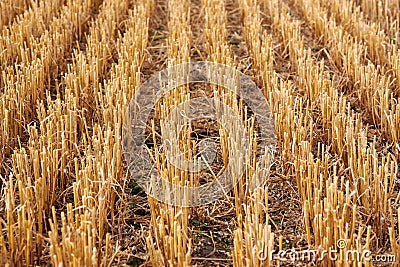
(17, 38)
(370, 83)
(10, 9)
(28, 82)
(169, 243)
(99, 175)
(341, 115)
(385, 13)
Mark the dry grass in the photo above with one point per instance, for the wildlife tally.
(330, 72)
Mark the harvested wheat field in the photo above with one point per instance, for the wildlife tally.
(328, 70)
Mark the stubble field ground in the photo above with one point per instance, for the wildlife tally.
(329, 70)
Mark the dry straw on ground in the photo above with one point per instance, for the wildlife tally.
(330, 71)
